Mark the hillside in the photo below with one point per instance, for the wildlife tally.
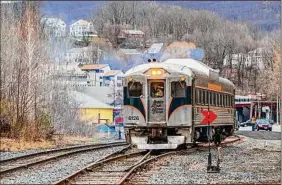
(266, 15)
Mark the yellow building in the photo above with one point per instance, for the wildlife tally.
(93, 111)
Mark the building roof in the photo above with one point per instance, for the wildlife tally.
(93, 66)
(100, 93)
(178, 44)
(78, 50)
(80, 22)
(112, 73)
(133, 32)
(85, 101)
(155, 48)
(130, 51)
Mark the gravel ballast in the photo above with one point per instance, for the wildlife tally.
(253, 161)
(56, 170)
(8, 155)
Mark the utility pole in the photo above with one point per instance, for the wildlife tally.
(277, 109)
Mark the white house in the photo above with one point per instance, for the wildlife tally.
(82, 28)
(54, 27)
(83, 55)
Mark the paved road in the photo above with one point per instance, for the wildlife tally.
(260, 134)
(275, 128)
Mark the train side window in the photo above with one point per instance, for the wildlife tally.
(200, 97)
(157, 89)
(214, 98)
(206, 98)
(203, 97)
(227, 100)
(222, 100)
(210, 98)
(231, 102)
(178, 89)
(197, 96)
(135, 89)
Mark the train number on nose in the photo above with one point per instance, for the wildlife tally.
(133, 117)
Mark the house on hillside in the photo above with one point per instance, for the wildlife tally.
(95, 71)
(53, 27)
(82, 28)
(131, 39)
(92, 110)
(178, 50)
(155, 51)
(126, 54)
(69, 73)
(83, 55)
(256, 58)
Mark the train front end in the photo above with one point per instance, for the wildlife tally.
(157, 106)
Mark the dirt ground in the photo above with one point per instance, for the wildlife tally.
(7, 144)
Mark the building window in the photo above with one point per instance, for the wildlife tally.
(178, 89)
(119, 78)
(135, 89)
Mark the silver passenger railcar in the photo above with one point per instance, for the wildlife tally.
(163, 103)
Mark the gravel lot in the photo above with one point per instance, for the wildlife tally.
(254, 161)
(54, 171)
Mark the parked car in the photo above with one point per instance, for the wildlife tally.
(263, 124)
(246, 123)
(271, 122)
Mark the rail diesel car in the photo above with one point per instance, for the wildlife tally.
(163, 103)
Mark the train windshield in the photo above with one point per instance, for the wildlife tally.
(178, 89)
(134, 89)
(157, 89)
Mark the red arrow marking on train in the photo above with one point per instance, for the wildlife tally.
(210, 116)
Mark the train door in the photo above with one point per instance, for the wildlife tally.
(156, 101)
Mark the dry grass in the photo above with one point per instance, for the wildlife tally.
(7, 144)
(16, 145)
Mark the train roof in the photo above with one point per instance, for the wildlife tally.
(141, 69)
(189, 67)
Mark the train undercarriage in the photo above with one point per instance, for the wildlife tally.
(173, 137)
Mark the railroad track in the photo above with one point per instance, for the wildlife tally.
(25, 161)
(149, 169)
(120, 169)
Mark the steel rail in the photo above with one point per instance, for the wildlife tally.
(26, 165)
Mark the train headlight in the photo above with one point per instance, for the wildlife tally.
(182, 78)
(130, 79)
(156, 72)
